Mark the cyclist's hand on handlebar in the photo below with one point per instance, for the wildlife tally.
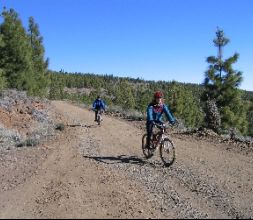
(175, 123)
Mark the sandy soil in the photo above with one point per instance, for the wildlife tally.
(92, 171)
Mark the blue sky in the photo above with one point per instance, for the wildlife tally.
(151, 39)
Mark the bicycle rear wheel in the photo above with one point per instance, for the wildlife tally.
(148, 153)
(99, 119)
(167, 152)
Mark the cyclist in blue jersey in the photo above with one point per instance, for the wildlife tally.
(98, 105)
(155, 111)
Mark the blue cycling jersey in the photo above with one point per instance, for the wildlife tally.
(99, 104)
(155, 112)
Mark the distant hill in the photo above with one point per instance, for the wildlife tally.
(130, 94)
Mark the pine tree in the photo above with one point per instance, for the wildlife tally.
(221, 84)
(3, 82)
(184, 105)
(250, 118)
(2, 73)
(39, 65)
(56, 90)
(127, 97)
(143, 97)
(124, 95)
(15, 55)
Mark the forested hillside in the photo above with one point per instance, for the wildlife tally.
(23, 66)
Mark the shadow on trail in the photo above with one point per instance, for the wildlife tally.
(93, 126)
(121, 159)
(84, 125)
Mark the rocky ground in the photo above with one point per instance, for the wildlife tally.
(90, 171)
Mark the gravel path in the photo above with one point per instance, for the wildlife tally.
(100, 172)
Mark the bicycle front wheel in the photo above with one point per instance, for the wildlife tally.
(167, 152)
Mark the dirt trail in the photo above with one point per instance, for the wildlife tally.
(100, 172)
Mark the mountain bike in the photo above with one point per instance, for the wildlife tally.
(161, 141)
(99, 117)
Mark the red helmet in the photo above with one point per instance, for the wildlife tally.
(158, 94)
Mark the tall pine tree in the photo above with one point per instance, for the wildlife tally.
(16, 53)
(2, 73)
(39, 64)
(221, 84)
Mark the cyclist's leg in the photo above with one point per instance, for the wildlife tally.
(96, 114)
(149, 127)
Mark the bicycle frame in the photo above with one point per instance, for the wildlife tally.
(162, 142)
(160, 134)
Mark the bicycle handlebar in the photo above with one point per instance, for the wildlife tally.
(162, 126)
(166, 125)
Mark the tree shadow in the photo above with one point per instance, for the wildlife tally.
(120, 159)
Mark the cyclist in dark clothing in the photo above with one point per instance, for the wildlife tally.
(155, 111)
(98, 105)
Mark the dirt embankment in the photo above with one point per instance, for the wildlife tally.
(89, 171)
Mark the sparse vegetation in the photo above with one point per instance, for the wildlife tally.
(28, 116)
(28, 143)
